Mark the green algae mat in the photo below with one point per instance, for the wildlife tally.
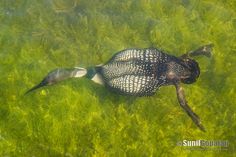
(80, 118)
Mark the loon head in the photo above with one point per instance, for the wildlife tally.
(59, 75)
(191, 71)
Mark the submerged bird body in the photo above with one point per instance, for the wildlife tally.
(140, 72)
(137, 72)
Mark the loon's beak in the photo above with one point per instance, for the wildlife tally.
(59, 75)
(41, 84)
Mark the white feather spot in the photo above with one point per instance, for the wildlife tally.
(97, 78)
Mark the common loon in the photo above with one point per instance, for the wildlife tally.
(140, 72)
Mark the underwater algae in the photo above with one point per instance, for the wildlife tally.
(79, 118)
(139, 72)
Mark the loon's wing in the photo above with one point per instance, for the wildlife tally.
(134, 61)
(136, 85)
(152, 55)
(134, 71)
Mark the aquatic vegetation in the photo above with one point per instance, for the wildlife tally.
(63, 5)
(79, 118)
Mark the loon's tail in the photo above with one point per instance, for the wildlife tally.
(59, 75)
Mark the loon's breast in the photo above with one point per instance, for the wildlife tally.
(135, 71)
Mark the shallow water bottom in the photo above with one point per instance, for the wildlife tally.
(80, 118)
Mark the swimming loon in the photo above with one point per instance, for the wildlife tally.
(140, 72)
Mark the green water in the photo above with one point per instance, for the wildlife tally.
(80, 118)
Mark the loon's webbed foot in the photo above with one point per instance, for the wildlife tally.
(205, 50)
(184, 105)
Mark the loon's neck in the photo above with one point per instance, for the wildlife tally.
(93, 73)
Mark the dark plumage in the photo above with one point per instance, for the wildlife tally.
(137, 72)
(140, 72)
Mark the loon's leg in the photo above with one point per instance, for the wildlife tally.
(59, 75)
(184, 105)
(204, 50)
